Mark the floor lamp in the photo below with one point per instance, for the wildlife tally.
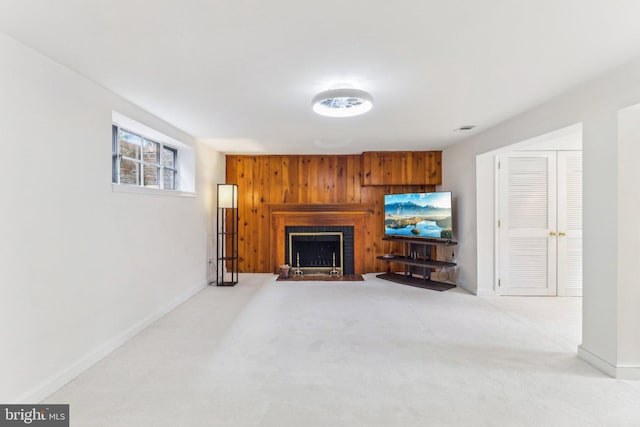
(227, 235)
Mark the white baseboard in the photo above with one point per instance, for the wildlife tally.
(56, 381)
(622, 372)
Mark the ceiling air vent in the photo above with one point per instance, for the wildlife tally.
(465, 128)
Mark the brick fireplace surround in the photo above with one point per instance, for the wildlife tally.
(294, 214)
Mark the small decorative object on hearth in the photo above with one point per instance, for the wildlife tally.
(297, 271)
(284, 271)
(333, 271)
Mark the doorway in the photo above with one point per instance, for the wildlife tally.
(487, 199)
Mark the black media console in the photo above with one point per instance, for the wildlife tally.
(418, 260)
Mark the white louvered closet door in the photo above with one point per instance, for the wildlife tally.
(527, 212)
(570, 223)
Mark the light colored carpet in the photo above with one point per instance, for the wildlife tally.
(370, 353)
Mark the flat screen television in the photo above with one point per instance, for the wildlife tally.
(426, 215)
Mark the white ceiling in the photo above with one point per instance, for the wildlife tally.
(241, 73)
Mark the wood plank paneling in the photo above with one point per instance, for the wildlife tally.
(402, 168)
(262, 212)
(304, 192)
(366, 168)
(290, 179)
(324, 179)
(341, 181)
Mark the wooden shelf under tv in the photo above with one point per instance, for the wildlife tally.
(417, 260)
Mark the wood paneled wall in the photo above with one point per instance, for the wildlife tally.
(366, 178)
(402, 167)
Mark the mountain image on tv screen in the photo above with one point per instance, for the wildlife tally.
(418, 215)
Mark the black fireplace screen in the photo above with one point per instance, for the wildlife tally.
(316, 249)
(320, 248)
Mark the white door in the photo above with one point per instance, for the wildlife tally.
(526, 266)
(570, 223)
(527, 223)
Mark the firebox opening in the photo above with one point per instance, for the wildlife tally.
(320, 250)
(317, 251)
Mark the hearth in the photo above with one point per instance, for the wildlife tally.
(327, 250)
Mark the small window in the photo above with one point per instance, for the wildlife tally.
(140, 161)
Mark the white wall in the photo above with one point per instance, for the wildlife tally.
(595, 105)
(82, 268)
(629, 242)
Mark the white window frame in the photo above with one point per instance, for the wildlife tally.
(117, 158)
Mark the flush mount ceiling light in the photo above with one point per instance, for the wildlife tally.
(342, 102)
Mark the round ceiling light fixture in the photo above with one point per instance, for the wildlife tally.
(342, 102)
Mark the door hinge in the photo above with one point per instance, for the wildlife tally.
(498, 223)
(499, 283)
(498, 165)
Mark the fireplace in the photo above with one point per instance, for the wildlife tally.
(318, 249)
(332, 217)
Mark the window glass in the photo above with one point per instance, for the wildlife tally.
(151, 152)
(169, 179)
(129, 172)
(151, 176)
(130, 144)
(168, 157)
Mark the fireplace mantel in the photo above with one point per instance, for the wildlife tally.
(314, 214)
